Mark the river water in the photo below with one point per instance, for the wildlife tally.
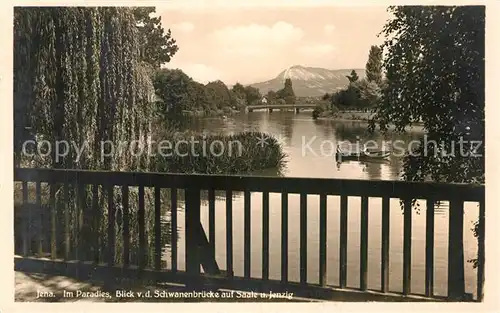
(310, 148)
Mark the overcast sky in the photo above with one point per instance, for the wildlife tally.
(255, 44)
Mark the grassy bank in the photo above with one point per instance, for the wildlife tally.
(210, 113)
(322, 113)
(325, 111)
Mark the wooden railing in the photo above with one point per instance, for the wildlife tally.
(200, 249)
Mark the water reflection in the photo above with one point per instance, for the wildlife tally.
(310, 146)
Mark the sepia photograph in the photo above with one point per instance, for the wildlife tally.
(249, 153)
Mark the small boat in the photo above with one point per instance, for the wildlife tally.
(377, 154)
(347, 151)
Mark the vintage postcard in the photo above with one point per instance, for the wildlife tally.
(249, 153)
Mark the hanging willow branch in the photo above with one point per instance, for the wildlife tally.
(78, 78)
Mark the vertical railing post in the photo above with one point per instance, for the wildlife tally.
(407, 225)
(27, 221)
(480, 253)
(111, 226)
(53, 221)
(247, 230)
(265, 235)
(192, 197)
(385, 244)
(284, 237)
(363, 253)
(303, 238)
(158, 248)
(229, 233)
(322, 240)
(173, 208)
(429, 249)
(343, 242)
(456, 279)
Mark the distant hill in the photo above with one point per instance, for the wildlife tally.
(309, 81)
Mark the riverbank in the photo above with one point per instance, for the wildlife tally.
(355, 116)
(211, 113)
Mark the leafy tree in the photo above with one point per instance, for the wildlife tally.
(435, 74)
(271, 96)
(446, 98)
(348, 98)
(252, 94)
(156, 46)
(353, 77)
(173, 87)
(369, 93)
(245, 95)
(239, 89)
(178, 92)
(287, 92)
(238, 95)
(374, 65)
(326, 96)
(237, 101)
(221, 97)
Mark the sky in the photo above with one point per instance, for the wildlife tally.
(254, 44)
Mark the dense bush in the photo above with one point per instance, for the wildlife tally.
(318, 110)
(222, 154)
(324, 110)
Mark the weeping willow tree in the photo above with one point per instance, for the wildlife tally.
(79, 79)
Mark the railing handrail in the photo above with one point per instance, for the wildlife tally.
(329, 186)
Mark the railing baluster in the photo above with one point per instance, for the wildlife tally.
(429, 248)
(87, 227)
(322, 240)
(480, 252)
(27, 223)
(363, 254)
(53, 221)
(173, 216)
(96, 214)
(40, 212)
(456, 279)
(247, 234)
(157, 228)
(192, 236)
(229, 232)
(343, 241)
(111, 227)
(126, 227)
(284, 237)
(67, 229)
(407, 247)
(80, 207)
(142, 233)
(265, 235)
(211, 219)
(303, 238)
(385, 244)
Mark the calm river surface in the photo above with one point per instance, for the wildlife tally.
(297, 130)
